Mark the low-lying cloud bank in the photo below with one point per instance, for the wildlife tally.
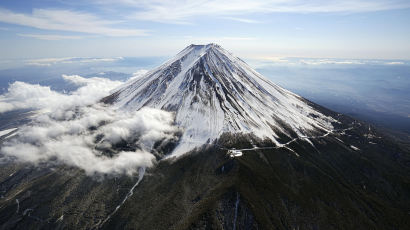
(336, 62)
(22, 95)
(76, 130)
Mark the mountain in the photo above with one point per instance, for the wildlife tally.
(250, 155)
(212, 92)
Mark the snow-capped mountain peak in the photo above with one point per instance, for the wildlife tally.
(212, 92)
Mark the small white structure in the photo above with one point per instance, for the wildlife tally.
(235, 153)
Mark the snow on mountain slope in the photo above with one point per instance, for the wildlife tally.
(212, 92)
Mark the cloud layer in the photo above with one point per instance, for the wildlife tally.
(174, 11)
(75, 130)
(266, 61)
(22, 95)
(50, 37)
(67, 20)
(69, 60)
(180, 11)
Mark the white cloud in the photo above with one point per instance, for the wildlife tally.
(244, 20)
(310, 61)
(76, 130)
(330, 62)
(262, 61)
(69, 60)
(395, 63)
(66, 20)
(138, 74)
(73, 139)
(181, 11)
(50, 37)
(274, 59)
(22, 95)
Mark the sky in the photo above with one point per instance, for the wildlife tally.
(264, 29)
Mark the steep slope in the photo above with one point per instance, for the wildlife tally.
(330, 186)
(213, 92)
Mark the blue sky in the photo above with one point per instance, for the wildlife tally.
(251, 29)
